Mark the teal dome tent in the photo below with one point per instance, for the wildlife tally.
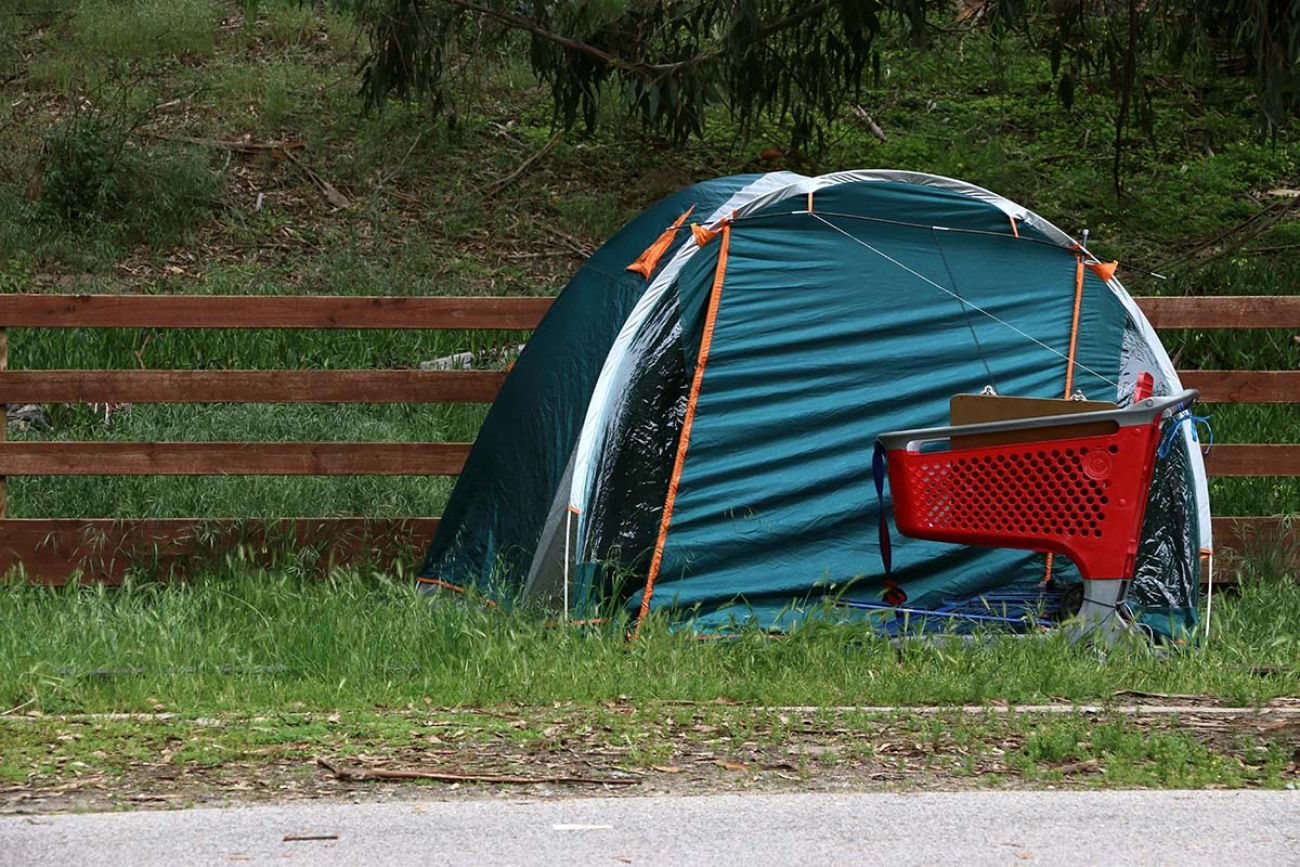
(690, 427)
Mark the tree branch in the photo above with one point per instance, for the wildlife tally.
(658, 70)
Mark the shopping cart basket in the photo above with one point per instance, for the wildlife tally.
(1073, 484)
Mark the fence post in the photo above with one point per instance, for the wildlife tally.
(4, 416)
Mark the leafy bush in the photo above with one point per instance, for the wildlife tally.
(93, 175)
(81, 175)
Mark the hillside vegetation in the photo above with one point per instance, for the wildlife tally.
(201, 146)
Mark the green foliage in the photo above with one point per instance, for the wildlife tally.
(665, 62)
(802, 64)
(81, 177)
(93, 175)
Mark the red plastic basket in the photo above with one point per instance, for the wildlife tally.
(1080, 496)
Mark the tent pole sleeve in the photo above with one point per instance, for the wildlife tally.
(568, 530)
(702, 360)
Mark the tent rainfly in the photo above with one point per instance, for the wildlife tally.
(690, 427)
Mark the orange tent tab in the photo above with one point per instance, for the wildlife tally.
(647, 262)
(702, 235)
(1104, 270)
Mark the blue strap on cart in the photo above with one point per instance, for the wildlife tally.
(878, 476)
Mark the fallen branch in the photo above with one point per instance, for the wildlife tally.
(279, 150)
(861, 114)
(301, 838)
(499, 185)
(583, 250)
(1182, 696)
(361, 774)
(328, 190)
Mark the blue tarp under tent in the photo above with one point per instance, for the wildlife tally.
(690, 427)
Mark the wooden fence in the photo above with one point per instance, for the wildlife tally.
(50, 550)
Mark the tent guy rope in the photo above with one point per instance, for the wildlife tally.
(960, 299)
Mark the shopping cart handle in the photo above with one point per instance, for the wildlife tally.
(1142, 412)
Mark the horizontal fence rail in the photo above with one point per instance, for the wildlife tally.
(390, 459)
(231, 459)
(270, 311)
(428, 386)
(508, 314)
(1253, 460)
(1222, 311)
(250, 386)
(51, 550)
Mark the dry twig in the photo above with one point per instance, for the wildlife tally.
(344, 773)
(498, 185)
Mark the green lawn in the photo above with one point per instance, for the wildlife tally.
(245, 640)
(232, 687)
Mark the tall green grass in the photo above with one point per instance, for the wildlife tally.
(252, 640)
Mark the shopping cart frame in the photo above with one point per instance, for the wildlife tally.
(1052, 478)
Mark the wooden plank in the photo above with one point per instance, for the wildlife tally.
(249, 386)
(1270, 542)
(389, 459)
(1244, 386)
(269, 311)
(1253, 460)
(51, 551)
(1222, 311)
(1238, 533)
(982, 408)
(4, 419)
(511, 313)
(231, 458)
(429, 386)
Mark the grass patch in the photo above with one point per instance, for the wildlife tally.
(143, 29)
(98, 762)
(249, 640)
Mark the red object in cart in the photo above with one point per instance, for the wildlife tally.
(1075, 485)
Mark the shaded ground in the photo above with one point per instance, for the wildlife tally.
(99, 762)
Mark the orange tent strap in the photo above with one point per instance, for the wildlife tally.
(1104, 270)
(1074, 326)
(702, 235)
(670, 499)
(434, 582)
(646, 263)
(1015, 231)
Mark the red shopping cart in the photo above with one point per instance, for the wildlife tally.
(1073, 484)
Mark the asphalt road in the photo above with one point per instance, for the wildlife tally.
(1225, 829)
